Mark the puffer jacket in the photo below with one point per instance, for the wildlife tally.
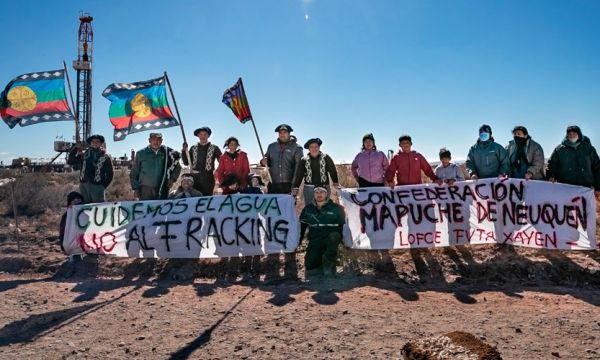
(487, 159)
(237, 165)
(282, 160)
(575, 164)
(154, 169)
(535, 157)
(370, 165)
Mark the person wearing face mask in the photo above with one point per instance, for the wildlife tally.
(525, 155)
(487, 158)
(575, 161)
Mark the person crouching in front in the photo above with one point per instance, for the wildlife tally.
(324, 220)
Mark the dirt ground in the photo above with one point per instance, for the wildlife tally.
(530, 304)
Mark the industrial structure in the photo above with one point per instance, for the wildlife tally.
(83, 66)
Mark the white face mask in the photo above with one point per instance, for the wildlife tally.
(484, 136)
(573, 140)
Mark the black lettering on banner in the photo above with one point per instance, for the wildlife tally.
(364, 215)
(266, 229)
(136, 211)
(121, 220)
(166, 236)
(223, 231)
(181, 205)
(134, 236)
(193, 225)
(213, 231)
(165, 208)
(239, 234)
(203, 204)
(281, 226)
(98, 222)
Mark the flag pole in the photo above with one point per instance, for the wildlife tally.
(75, 115)
(262, 153)
(187, 151)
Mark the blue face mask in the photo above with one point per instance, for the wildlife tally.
(484, 136)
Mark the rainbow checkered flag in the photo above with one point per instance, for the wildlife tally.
(235, 99)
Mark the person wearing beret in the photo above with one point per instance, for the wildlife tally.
(233, 161)
(314, 169)
(95, 169)
(282, 158)
(203, 156)
(155, 169)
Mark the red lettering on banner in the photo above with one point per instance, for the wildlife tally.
(426, 238)
(104, 243)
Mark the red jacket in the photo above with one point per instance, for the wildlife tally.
(407, 169)
(238, 166)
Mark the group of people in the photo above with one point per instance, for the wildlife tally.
(156, 168)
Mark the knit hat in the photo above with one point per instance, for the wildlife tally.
(485, 128)
(320, 188)
(155, 134)
(575, 128)
(188, 177)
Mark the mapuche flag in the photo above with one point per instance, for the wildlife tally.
(138, 106)
(35, 98)
(235, 99)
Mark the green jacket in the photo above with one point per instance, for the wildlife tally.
(155, 169)
(321, 222)
(575, 164)
(487, 160)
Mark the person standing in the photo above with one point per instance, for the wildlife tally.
(96, 169)
(233, 161)
(369, 165)
(155, 169)
(203, 156)
(324, 220)
(525, 155)
(447, 171)
(575, 161)
(407, 164)
(314, 169)
(487, 158)
(282, 158)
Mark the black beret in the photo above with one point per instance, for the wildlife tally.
(313, 140)
(285, 127)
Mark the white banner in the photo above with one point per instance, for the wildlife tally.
(204, 227)
(535, 214)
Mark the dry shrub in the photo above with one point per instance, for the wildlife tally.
(36, 192)
(120, 188)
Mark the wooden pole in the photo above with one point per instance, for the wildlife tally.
(14, 206)
(75, 115)
(187, 151)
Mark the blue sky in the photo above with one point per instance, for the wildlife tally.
(333, 69)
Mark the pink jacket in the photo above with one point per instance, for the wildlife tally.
(370, 165)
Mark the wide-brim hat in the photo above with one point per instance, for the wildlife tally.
(313, 140)
(95, 137)
(204, 128)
